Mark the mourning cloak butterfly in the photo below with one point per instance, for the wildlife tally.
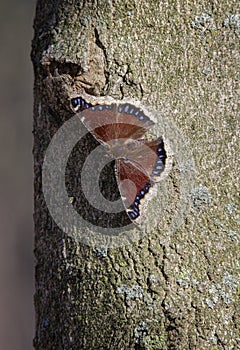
(139, 163)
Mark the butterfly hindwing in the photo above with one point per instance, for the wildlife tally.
(150, 156)
(134, 184)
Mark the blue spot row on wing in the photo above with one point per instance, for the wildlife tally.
(161, 159)
(132, 110)
(80, 102)
(134, 213)
(101, 107)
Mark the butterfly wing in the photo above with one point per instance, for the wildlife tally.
(137, 173)
(113, 121)
(141, 163)
(150, 156)
(134, 184)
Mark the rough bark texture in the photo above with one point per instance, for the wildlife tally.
(177, 290)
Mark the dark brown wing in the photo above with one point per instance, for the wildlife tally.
(109, 122)
(134, 184)
(150, 156)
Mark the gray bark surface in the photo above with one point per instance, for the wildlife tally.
(172, 289)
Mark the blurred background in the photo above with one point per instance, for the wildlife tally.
(16, 189)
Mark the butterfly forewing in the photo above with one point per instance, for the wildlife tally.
(107, 123)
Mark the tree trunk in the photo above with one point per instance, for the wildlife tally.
(175, 285)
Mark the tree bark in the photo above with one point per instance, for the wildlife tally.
(177, 287)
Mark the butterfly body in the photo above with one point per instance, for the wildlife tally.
(139, 162)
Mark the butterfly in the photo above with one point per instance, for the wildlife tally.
(139, 163)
